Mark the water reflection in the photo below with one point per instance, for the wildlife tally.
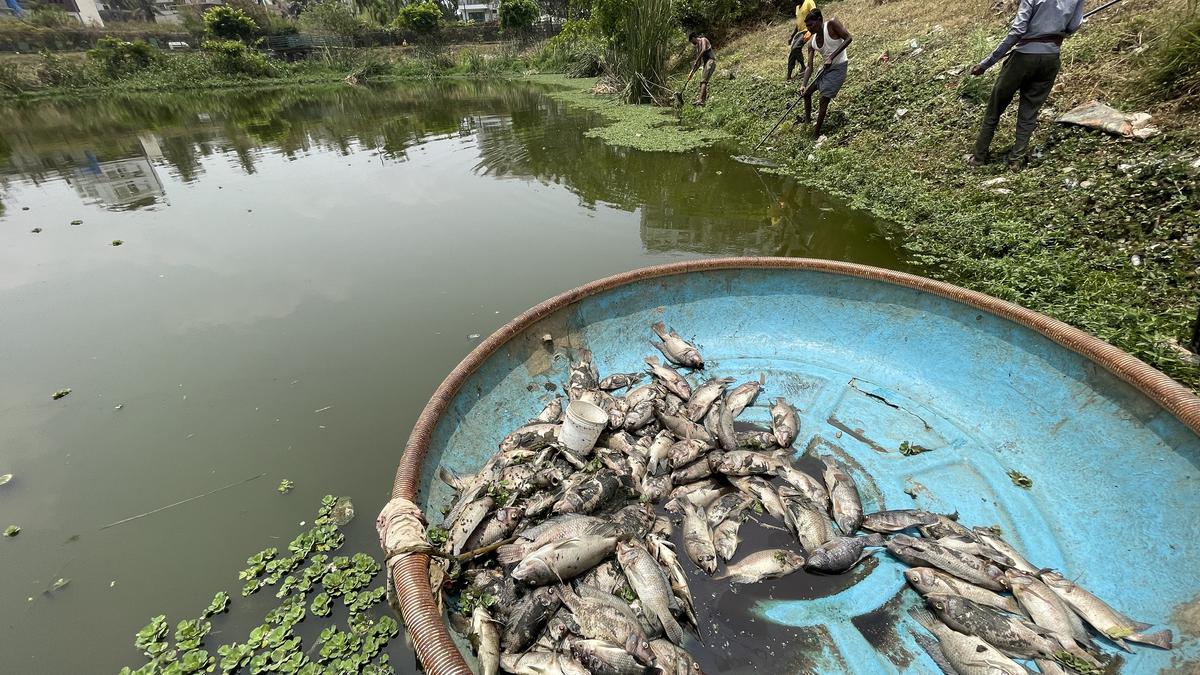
(113, 150)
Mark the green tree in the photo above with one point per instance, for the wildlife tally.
(422, 18)
(333, 16)
(518, 15)
(229, 23)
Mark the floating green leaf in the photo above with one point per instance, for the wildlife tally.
(12, 531)
(117, 242)
(437, 535)
(60, 393)
(152, 633)
(5, 478)
(220, 603)
(908, 449)
(285, 486)
(76, 222)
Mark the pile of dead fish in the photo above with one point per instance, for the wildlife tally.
(568, 566)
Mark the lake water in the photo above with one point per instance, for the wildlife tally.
(299, 269)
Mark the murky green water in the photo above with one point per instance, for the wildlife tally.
(300, 269)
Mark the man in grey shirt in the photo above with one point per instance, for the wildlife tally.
(1035, 39)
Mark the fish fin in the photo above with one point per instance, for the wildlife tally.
(762, 379)
(671, 627)
(934, 649)
(652, 360)
(1161, 639)
(660, 329)
(1139, 626)
(923, 617)
(456, 481)
(510, 554)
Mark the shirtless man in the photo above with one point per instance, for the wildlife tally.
(705, 62)
(832, 39)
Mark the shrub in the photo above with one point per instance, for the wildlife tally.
(1176, 66)
(230, 57)
(641, 34)
(229, 23)
(422, 18)
(56, 70)
(518, 15)
(578, 50)
(333, 16)
(118, 58)
(51, 17)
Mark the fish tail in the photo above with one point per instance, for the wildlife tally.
(671, 627)
(510, 554)
(660, 329)
(449, 478)
(1161, 639)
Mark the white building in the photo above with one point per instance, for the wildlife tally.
(479, 12)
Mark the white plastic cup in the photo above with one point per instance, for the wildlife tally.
(582, 426)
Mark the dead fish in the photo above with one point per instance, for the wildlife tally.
(697, 470)
(840, 553)
(664, 552)
(976, 548)
(462, 527)
(683, 428)
(812, 489)
(704, 396)
(662, 527)
(728, 506)
(553, 529)
(659, 451)
(655, 488)
(639, 415)
(647, 392)
(967, 654)
(621, 441)
(846, 507)
(496, 527)
(1049, 611)
(758, 440)
(620, 381)
(652, 587)
(673, 660)
(564, 559)
(928, 580)
(697, 538)
(613, 460)
(750, 462)
(607, 577)
(769, 564)
(605, 658)
(807, 521)
(671, 404)
(589, 495)
(685, 452)
(763, 492)
(740, 397)
(785, 424)
(1009, 634)
(633, 521)
(725, 433)
(551, 414)
(600, 620)
(582, 374)
(999, 544)
(531, 437)
(541, 662)
(726, 539)
(918, 552)
(616, 415)
(944, 527)
(528, 617)
(898, 520)
(1111, 623)
(676, 349)
(485, 637)
(670, 379)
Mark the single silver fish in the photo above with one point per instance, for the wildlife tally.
(1050, 612)
(750, 462)
(763, 492)
(812, 489)
(541, 662)
(462, 527)
(1111, 623)
(620, 381)
(605, 658)
(683, 428)
(485, 637)
(564, 559)
(840, 553)
(551, 530)
(768, 564)
(613, 622)
(740, 397)
(697, 470)
(685, 452)
(528, 617)
(756, 440)
(704, 396)
(999, 544)
(670, 379)
(728, 506)
(785, 423)
(673, 660)
(664, 552)
(659, 452)
(551, 414)
(1009, 634)
(652, 587)
(639, 415)
(697, 538)
(725, 433)
(647, 392)
(968, 654)
(496, 527)
(676, 349)
(807, 521)
(726, 539)
(928, 580)
(898, 520)
(846, 506)
(655, 488)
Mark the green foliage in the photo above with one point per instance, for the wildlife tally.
(229, 23)
(437, 535)
(641, 33)
(707, 16)
(578, 50)
(285, 486)
(1175, 68)
(51, 17)
(230, 57)
(518, 15)
(118, 58)
(422, 18)
(333, 16)
(12, 531)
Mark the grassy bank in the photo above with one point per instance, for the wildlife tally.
(1100, 232)
(39, 75)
